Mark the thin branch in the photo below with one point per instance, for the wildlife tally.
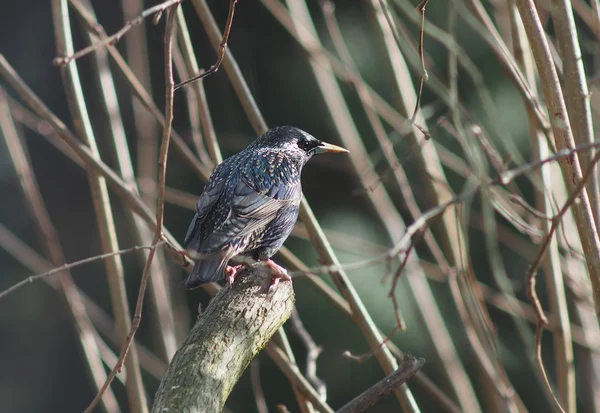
(386, 145)
(532, 274)
(162, 165)
(577, 98)
(69, 266)
(293, 374)
(101, 200)
(563, 348)
(521, 202)
(43, 128)
(140, 92)
(192, 108)
(282, 340)
(231, 67)
(220, 52)
(445, 402)
(312, 353)
(111, 40)
(538, 358)
(115, 134)
(259, 395)
(88, 338)
(131, 199)
(104, 325)
(405, 371)
(400, 323)
(482, 24)
(424, 75)
(210, 149)
(405, 241)
(137, 52)
(563, 136)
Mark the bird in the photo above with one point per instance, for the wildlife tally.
(249, 206)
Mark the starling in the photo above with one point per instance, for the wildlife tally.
(250, 205)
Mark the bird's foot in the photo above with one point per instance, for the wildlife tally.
(231, 272)
(280, 274)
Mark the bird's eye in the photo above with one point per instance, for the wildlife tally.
(307, 145)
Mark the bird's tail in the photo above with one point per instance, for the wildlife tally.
(205, 271)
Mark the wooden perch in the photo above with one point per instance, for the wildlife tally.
(236, 325)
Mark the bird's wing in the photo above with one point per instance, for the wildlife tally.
(241, 197)
(258, 209)
(208, 200)
(247, 211)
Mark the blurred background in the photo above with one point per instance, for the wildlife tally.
(478, 124)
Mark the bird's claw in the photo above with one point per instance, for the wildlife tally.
(231, 272)
(275, 282)
(280, 274)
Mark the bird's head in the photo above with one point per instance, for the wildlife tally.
(294, 142)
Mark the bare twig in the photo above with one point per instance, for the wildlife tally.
(405, 371)
(111, 40)
(293, 374)
(576, 93)
(259, 395)
(231, 67)
(88, 338)
(132, 200)
(538, 357)
(70, 266)
(187, 51)
(140, 92)
(563, 136)
(400, 323)
(220, 52)
(531, 275)
(521, 202)
(424, 75)
(339, 302)
(312, 353)
(162, 165)
(101, 200)
(563, 348)
(137, 52)
(104, 325)
(161, 306)
(397, 171)
(282, 340)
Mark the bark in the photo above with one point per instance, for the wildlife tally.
(236, 325)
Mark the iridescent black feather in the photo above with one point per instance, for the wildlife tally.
(250, 203)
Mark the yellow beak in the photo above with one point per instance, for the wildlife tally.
(328, 147)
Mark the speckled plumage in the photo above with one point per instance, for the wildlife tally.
(250, 203)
